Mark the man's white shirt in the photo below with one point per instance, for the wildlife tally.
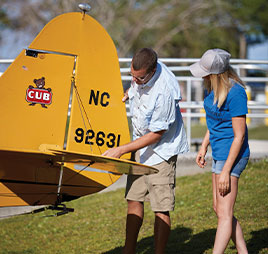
(154, 106)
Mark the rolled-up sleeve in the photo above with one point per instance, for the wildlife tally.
(163, 114)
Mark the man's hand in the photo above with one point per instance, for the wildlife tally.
(146, 140)
(125, 98)
(115, 152)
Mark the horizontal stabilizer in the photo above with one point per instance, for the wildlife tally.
(114, 165)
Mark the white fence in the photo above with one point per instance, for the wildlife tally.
(192, 104)
(194, 108)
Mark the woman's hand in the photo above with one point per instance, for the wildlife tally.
(224, 183)
(200, 158)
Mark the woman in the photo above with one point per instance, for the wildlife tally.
(225, 104)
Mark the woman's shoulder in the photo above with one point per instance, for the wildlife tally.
(236, 85)
(237, 90)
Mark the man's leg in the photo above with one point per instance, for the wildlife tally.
(162, 198)
(161, 231)
(135, 215)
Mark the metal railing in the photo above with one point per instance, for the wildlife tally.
(180, 67)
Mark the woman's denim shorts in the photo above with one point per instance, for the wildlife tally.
(236, 170)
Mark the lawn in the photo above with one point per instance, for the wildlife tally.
(98, 223)
(258, 132)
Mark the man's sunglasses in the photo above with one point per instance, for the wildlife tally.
(141, 79)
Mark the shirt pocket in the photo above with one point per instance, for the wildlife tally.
(131, 101)
(164, 180)
(145, 115)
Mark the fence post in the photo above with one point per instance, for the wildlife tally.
(266, 95)
(188, 111)
(248, 92)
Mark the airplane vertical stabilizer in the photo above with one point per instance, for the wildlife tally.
(65, 92)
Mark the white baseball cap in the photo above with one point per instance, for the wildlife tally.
(213, 61)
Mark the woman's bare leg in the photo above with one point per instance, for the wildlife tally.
(228, 226)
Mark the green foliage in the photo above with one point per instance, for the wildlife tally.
(98, 223)
(251, 15)
(173, 28)
(258, 132)
(4, 21)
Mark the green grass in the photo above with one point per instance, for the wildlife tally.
(259, 132)
(198, 130)
(98, 223)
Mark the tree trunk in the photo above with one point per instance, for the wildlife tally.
(242, 51)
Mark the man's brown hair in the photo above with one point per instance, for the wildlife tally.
(145, 58)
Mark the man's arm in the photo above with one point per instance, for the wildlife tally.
(146, 140)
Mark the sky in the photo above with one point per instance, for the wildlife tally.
(258, 51)
(13, 43)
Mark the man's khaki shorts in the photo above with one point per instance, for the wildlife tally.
(158, 188)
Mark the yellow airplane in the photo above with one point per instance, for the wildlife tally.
(61, 108)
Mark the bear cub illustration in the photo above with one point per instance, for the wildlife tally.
(40, 84)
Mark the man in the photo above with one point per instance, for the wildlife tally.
(158, 137)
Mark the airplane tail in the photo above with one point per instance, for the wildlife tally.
(65, 90)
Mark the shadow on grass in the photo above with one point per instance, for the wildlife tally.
(30, 251)
(181, 240)
(258, 241)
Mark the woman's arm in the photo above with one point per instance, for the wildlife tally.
(200, 158)
(239, 128)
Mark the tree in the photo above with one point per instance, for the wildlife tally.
(173, 28)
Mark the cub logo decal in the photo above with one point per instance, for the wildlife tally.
(40, 94)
